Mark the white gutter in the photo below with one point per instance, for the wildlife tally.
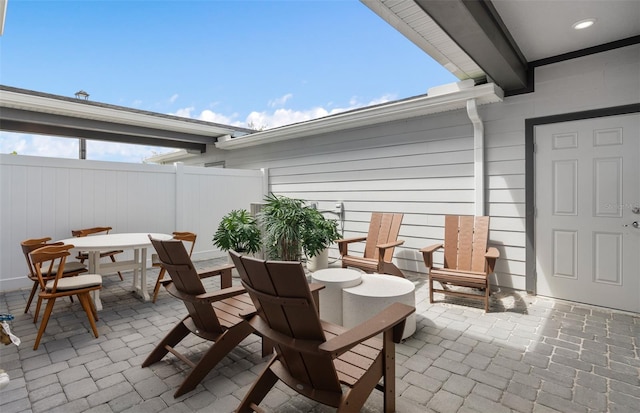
(404, 109)
(478, 155)
(172, 157)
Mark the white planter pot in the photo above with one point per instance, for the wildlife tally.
(319, 262)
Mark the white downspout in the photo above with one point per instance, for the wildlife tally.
(478, 155)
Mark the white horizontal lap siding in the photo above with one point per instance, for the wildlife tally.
(420, 167)
(506, 193)
(414, 167)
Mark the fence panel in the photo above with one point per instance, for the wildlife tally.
(49, 197)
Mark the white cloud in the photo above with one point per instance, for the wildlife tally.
(173, 98)
(283, 116)
(58, 147)
(209, 116)
(280, 101)
(38, 145)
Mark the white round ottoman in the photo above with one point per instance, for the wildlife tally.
(374, 294)
(334, 280)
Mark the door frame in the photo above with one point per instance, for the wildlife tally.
(530, 202)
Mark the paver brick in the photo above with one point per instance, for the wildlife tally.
(590, 398)
(459, 385)
(480, 404)
(445, 402)
(522, 390)
(517, 403)
(487, 392)
(488, 378)
(592, 381)
(559, 404)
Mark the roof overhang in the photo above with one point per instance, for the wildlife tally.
(467, 37)
(40, 113)
(3, 15)
(440, 99)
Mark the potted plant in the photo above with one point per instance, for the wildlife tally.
(292, 228)
(238, 231)
(318, 236)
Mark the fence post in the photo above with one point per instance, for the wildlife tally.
(180, 198)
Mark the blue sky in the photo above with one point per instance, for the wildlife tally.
(266, 63)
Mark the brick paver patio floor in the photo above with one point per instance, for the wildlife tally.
(529, 354)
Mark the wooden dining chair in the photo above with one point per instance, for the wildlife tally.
(71, 268)
(380, 243)
(83, 255)
(49, 262)
(325, 362)
(467, 260)
(190, 239)
(212, 315)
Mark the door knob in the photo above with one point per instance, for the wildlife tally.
(635, 210)
(634, 224)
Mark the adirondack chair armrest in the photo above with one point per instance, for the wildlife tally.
(350, 240)
(427, 254)
(491, 256)
(223, 271)
(393, 316)
(213, 271)
(211, 297)
(343, 244)
(390, 244)
(221, 294)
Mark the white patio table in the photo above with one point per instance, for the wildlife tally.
(138, 242)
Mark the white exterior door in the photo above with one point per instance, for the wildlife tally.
(587, 193)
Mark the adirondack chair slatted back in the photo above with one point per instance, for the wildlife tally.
(383, 228)
(280, 293)
(185, 278)
(470, 235)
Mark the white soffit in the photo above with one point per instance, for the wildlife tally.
(3, 15)
(404, 109)
(416, 25)
(118, 115)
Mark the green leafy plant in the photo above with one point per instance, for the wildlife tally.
(238, 231)
(319, 233)
(291, 228)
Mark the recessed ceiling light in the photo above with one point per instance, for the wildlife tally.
(583, 24)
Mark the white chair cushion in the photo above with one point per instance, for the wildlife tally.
(71, 266)
(77, 282)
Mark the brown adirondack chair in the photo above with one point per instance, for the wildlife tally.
(380, 244)
(188, 237)
(71, 268)
(467, 260)
(313, 357)
(82, 256)
(213, 316)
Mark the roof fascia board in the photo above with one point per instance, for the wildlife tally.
(98, 135)
(28, 121)
(82, 110)
(477, 28)
(414, 107)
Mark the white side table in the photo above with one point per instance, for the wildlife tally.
(374, 294)
(334, 280)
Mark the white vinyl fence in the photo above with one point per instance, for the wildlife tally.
(48, 197)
